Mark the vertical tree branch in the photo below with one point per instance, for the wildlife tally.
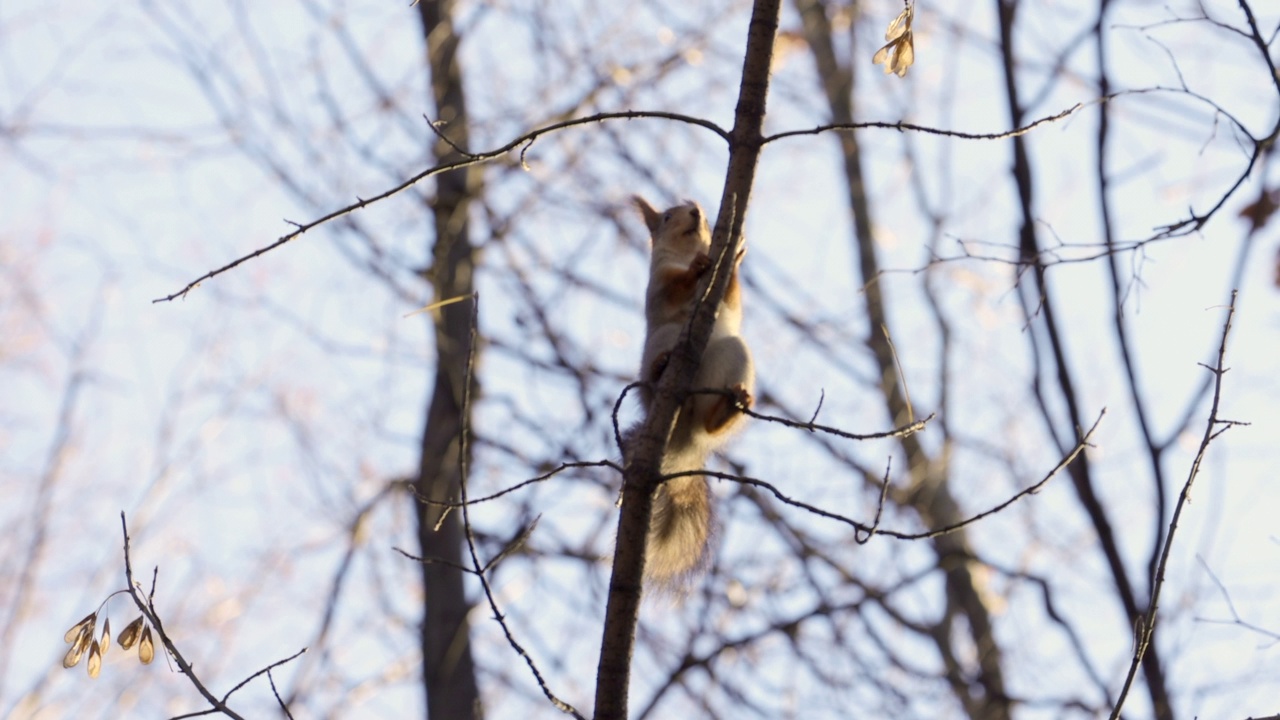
(1155, 451)
(448, 672)
(642, 473)
(1041, 305)
(1213, 428)
(931, 495)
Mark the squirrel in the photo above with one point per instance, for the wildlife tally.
(680, 529)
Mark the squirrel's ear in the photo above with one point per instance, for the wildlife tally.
(652, 218)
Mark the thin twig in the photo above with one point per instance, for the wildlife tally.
(1213, 428)
(902, 377)
(1235, 614)
(908, 429)
(478, 569)
(617, 406)
(905, 126)
(469, 159)
(1031, 490)
(148, 609)
(875, 523)
(433, 560)
(274, 691)
(874, 529)
(450, 504)
(265, 670)
(510, 547)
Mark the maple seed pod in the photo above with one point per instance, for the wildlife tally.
(75, 629)
(95, 660)
(129, 635)
(86, 637)
(899, 53)
(76, 651)
(106, 635)
(146, 650)
(72, 658)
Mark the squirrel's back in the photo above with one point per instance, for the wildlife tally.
(681, 526)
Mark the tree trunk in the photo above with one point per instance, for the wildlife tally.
(448, 673)
(981, 690)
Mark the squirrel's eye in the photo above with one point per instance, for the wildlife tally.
(666, 216)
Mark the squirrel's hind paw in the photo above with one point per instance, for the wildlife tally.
(726, 410)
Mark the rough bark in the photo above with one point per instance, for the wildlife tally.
(448, 673)
(613, 676)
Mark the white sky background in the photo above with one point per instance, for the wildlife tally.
(240, 428)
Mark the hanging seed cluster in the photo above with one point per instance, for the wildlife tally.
(900, 52)
(83, 639)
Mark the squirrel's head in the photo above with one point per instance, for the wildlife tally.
(681, 227)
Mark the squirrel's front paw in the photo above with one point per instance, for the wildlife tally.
(700, 264)
(742, 396)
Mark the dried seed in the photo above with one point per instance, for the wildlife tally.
(75, 629)
(129, 635)
(899, 53)
(146, 650)
(95, 660)
(86, 636)
(106, 635)
(76, 651)
(78, 647)
(900, 24)
(72, 657)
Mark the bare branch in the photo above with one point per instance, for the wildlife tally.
(524, 483)
(148, 609)
(613, 673)
(468, 160)
(908, 429)
(1231, 606)
(906, 126)
(479, 570)
(898, 534)
(1213, 429)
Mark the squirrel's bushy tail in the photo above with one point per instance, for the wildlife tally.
(680, 528)
(681, 523)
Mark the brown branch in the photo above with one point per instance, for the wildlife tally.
(468, 160)
(267, 671)
(1120, 289)
(1231, 606)
(1259, 42)
(1031, 490)
(617, 407)
(450, 504)
(906, 126)
(873, 529)
(1213, 428)
(1040, 306)
(1260, 146)
(884, 495)
(640, 479)
(284, 707)
(479, 571)
(908, 429)
(511, 546)
(148, 609)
